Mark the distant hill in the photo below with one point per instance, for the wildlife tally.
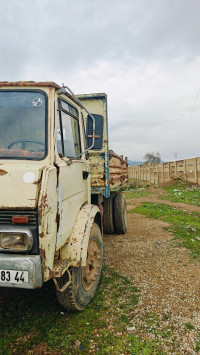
(134, 162)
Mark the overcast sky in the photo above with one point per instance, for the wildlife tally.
(144, 54)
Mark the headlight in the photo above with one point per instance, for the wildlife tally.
(16, 240)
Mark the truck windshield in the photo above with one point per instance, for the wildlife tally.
(22, 125)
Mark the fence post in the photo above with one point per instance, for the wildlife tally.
(169, 174)
(196, 171)
(163, 177)
(185, 165)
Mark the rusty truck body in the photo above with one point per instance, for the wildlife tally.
(58, 189)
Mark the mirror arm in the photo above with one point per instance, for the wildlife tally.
(63, 91)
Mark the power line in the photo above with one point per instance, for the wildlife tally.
(191, 143)
(189, 117)
(191, 140)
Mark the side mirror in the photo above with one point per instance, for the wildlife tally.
(98, 132)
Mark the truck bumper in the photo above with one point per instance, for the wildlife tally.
(28, 263)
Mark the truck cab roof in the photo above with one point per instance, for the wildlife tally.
(29, 84)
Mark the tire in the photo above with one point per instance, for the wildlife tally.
(120, 213)
(108, 220)
(85, 279)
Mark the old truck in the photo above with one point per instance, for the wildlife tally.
(58, 189)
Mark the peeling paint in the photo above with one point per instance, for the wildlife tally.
(41, 235)
(42, 253)
(28, 84)
(76, 249)
(3, 172)
(42, 205)
(47, 210)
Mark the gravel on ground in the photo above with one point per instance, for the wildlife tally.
(166, 276)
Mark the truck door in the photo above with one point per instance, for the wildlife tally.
(73, 173)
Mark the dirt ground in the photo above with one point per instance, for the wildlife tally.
(166, 276)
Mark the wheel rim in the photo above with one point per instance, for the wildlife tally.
(90, 272)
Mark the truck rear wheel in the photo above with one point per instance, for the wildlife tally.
(120, 213)
(108, 220)
(84, 279)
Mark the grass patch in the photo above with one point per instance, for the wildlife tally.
(137, 193)
(189, 326)
(183, 192)
(33, 322)
(136, 189)
(184, 226)
(144, 347)
(197, 347)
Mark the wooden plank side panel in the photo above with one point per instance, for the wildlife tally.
(118, 171)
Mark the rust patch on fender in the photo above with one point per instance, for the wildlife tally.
(41, 235)
(42, 254)
(3, 172)
(37, 182)
(43, 204)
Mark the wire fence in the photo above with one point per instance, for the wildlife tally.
(186, 170)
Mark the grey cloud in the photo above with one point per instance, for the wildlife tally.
(77, 34)
(133, 50)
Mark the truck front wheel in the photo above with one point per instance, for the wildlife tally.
(84, 280)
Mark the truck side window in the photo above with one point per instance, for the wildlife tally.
(68, 131)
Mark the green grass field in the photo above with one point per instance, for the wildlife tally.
(33, 321)
(183, 192)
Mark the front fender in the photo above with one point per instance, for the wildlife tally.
(76, 248)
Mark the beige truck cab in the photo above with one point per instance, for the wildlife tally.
(55, 189)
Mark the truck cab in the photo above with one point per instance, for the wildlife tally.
(51, 204)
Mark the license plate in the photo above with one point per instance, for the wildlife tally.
(13, 276)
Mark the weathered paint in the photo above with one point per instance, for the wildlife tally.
(3, 172)
(14, 192)
(99, 160)
(28, 84)
(118, 172)
(76, 248)
(47, 210)
(108, 170)
(118, 168)
(72, 194)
